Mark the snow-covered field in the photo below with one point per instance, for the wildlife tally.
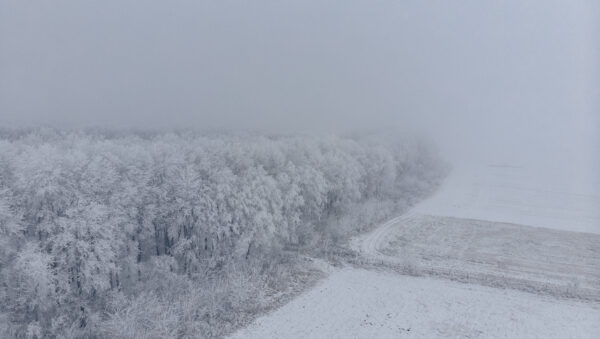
(540, 260)
(356, 303)
(535, 196)
(501, 229)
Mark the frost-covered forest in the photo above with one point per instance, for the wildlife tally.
(123, 234)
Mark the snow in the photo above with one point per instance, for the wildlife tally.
(539, 260)
(356, 303)
(536, 196)
(507, 226)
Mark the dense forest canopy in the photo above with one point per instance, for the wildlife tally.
(114, 234)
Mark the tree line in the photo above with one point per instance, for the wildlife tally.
(93, 224)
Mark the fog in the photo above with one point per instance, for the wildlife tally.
(515, 80)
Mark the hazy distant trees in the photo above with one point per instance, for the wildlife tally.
(97, 227)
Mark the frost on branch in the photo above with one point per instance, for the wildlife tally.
(114, 234)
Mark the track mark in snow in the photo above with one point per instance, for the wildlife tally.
(560, 263)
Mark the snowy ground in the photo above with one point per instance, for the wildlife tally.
(535, 196)
(540, 260)
(474, 257)
(355, 303)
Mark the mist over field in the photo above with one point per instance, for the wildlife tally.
(177, 169)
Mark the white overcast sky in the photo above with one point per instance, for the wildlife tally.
(478, 76)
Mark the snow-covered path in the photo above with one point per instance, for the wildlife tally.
(473, 230)
(356, 303)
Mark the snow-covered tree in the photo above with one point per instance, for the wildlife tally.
(102, 229)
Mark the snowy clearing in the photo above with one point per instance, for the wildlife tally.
(356, 303)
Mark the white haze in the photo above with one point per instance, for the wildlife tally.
(136, 234)
(508, 81)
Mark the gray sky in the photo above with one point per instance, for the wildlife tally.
(477, 75)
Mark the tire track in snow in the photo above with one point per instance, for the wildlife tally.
(470, 264)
